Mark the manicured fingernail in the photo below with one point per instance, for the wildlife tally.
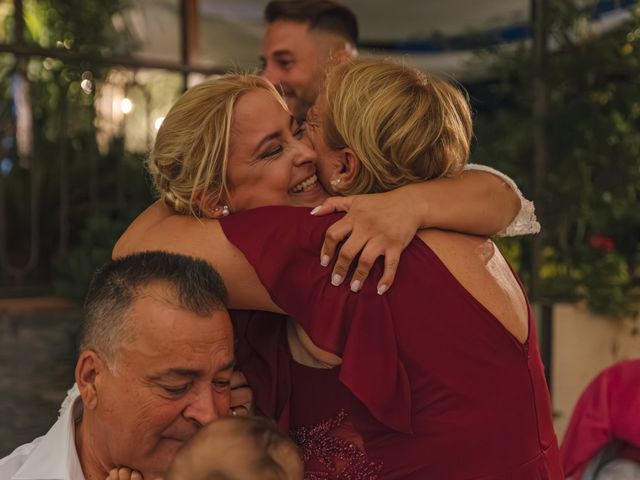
(316, 210)
(355, 285)
(336, 280)
(382, 289)
(324, 261)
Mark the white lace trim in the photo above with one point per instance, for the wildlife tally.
(67, 403)
(525, 222)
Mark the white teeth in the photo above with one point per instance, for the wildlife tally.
(305, 185)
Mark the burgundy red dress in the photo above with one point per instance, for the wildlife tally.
(432, 386)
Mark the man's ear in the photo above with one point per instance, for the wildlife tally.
(88, 370)
(350, 166)
(341, 55)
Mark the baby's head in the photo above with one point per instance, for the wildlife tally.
(248, 448)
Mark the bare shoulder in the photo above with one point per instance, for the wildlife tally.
(158, 228)
(127, 243)
(476, 262)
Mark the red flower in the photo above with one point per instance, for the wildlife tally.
(603, 243)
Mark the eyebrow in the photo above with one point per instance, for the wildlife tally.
(190, 373)
(272, 135)
(277, 53)
(280, 53)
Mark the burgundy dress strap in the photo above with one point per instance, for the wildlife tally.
(360, 327)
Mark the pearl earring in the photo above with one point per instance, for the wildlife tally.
(225, 211)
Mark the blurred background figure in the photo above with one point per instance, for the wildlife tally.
(603, 438)
(302, 39)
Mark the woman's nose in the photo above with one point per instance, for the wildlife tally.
(306, 153)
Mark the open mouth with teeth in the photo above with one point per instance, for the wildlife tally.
(305, 185)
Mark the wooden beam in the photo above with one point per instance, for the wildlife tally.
(18, 16)
(189, 34)
(539, 133)
(97, 59)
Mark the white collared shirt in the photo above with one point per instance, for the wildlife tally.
(52, 456)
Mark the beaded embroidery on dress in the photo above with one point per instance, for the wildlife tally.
(333, 450)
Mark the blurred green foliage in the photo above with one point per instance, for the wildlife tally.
(103, 192)
(589, 208)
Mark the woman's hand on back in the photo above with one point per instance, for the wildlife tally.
(375, 225)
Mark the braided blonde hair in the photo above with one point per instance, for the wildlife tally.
(404, 126)
(189, 160)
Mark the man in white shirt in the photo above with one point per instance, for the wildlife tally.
(155, 365)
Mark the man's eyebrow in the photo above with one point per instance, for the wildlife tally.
(281, 53)
(188, 372)
(180, 372)
(277, 53)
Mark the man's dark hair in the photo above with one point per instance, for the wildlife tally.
(192, 284)
(324, 15)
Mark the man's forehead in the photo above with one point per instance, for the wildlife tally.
(157, 313)
(286, 36)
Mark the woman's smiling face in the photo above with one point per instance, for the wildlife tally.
(269, 162)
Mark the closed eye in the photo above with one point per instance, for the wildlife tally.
(177, 390)
(272, 152)
(285, 64)
(299, 132)
(221, 386)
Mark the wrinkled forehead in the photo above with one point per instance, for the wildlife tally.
(158, 316)
(318, 110)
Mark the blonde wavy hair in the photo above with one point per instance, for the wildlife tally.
(405, 126)
(189, 160)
